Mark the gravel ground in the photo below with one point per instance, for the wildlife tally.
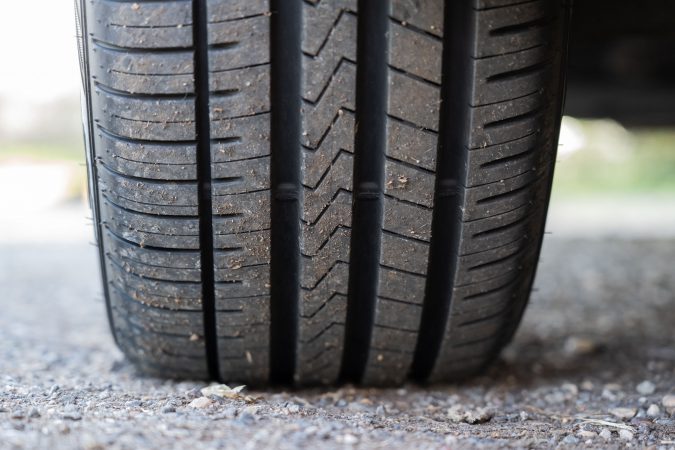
(592, 365)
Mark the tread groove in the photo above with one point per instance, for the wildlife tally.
(368, 184)
(144, 214)
(513, 119)
(286, 189)
(450, 172)
(508, 159)
(140, 50)
(205, 200)
(518, 73)
(119, 137)
(141, 95)
(520, 27)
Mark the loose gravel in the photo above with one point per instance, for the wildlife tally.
(593, 365)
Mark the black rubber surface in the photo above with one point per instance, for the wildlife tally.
(323, 190)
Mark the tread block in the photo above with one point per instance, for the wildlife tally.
(403, 253)
(504, 77)
(515, 28)
(150, 230)
(142, 117)
(143, 159)
(420, 110)
(407, 219)
(141, 25)
(239, 138)
(154, 263)
(415, 53)
(238, 44)
(424, 15)
(154, 292)
(408, 183)
(145, 72)
(224, 11)
(149, 196)
(495, 163)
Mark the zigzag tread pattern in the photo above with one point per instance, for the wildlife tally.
(145, 138)
(328, 130)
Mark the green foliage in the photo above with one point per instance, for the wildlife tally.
(41, 151)
(621, 163)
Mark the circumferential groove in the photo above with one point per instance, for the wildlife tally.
(451, 169)
(368, 184)
(205, 200)
(286, 190)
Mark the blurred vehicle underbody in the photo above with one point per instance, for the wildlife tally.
(622, 61)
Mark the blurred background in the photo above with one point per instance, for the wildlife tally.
(42, 172)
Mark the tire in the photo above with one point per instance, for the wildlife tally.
(321, 191)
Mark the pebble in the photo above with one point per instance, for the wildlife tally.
(228, 413)
(570, 388)
(608, 394)
(653, 410)
(71, 413)
(665, 422)
(668, 402)
(193, 393)
(133, 404)
(623, 413)
(451, 440)
(168, 409)
(578, 346)
(606, 434)
(555, 397)
(570, 440)
(201, 402)
(479, 415)
(645, 388)
(348, 439)
(246, 418)
(587, 385)
(586, 434)
(625, 435)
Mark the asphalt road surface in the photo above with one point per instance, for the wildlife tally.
(592, 365)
